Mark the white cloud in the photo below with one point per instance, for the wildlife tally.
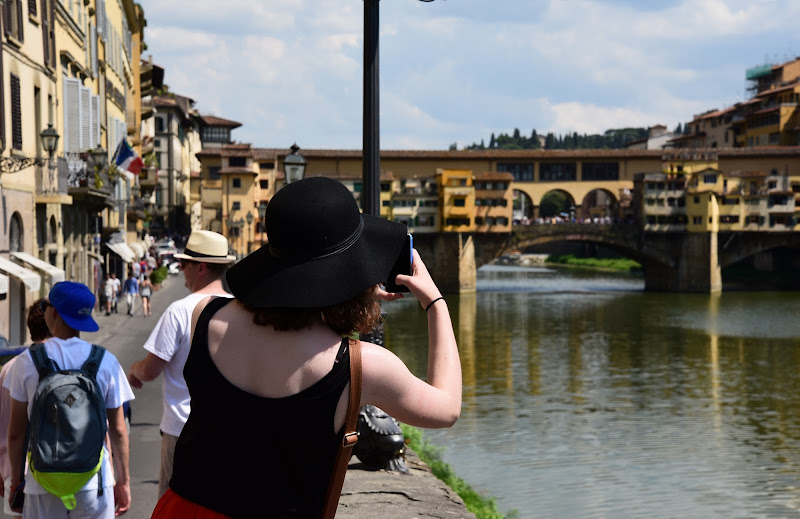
(459, 70)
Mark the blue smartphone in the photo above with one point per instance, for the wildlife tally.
(401, 266)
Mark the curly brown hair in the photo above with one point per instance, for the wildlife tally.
(359, 314)
(36, 323)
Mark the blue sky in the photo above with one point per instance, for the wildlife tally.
(455, 71)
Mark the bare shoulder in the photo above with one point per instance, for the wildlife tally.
(378, 361)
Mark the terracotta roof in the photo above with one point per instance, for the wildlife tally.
(493, 175)
(227, 150)
(212, 120)
(264, 154)
(766, 110)
(794, 84)
(183, 103)
(691, 136)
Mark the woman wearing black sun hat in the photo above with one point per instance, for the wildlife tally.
(269, 371)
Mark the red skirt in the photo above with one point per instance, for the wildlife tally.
(171, 505)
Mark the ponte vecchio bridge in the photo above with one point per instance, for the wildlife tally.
(672, 261)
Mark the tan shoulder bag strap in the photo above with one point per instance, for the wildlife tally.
(350, 433)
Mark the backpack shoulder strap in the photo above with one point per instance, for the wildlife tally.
(44, 364)
(92, 364)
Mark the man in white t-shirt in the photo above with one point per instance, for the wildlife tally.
(67, 313)
(203, 262)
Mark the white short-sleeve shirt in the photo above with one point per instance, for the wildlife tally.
(23, 378)
(170, 340)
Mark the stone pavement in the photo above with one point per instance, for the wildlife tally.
(366, 493)
(370, 494)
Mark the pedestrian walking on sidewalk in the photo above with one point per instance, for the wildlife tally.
(146, 291)
(109, 286)
(203, 262)
(274, 362)
(131, 290)
(117, 290)
(67, 312)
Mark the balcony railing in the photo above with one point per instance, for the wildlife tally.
(81, 174)
(53, 181)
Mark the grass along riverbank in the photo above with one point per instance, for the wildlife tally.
(482, 507)
(616, 264)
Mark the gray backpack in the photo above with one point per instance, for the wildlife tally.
(68, 425)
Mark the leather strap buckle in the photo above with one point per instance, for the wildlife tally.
(349, 440)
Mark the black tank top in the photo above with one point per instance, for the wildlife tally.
(248, 456)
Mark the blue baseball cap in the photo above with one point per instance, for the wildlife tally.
(74, 302)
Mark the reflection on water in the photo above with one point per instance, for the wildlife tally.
(586, 397)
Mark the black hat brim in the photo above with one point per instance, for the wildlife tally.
(264, 281)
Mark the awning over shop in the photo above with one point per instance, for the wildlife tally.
(123, 251)
(96, 256)
(31, 279)
(3, 284)
(137, 249)
(55, 273)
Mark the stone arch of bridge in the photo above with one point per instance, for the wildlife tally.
(599, 202)
(612, 241)
(578, 191)
(736, 247)
(524, 206)
(569, 205)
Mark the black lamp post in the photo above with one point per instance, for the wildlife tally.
(371, 168)
(249, 219)
(239, 227)
(49, 138)
(262, 213)
(294, 165)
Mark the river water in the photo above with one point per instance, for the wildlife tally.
(585, 397)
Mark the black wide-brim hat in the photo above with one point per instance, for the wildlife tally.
(321, 251)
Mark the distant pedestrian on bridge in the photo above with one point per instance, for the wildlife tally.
(274, 363)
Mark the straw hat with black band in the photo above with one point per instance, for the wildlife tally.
(206, 247)
(321, 250)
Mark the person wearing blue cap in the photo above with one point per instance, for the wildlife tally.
(67, 312)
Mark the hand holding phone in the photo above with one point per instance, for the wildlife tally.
(401, 266)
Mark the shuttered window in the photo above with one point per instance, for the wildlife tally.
(72, 115)
(101, 18)
(93, 46)
(12, 19)
(86, 118)
(16, 114)
(32, 7)
(81, 117)
(48, 33)
(94, 138)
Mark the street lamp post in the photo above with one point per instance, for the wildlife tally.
(239, 226)
(50, 144)
(371, 173)
(262, 213)
(294, 165)
(371, 168)
(249, 219)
